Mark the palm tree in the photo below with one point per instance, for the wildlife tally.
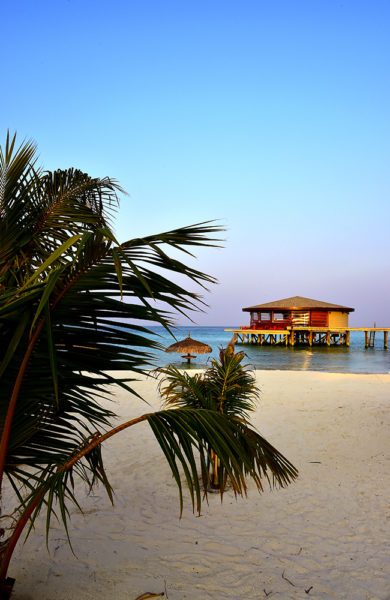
(72, 303)
(229, 388)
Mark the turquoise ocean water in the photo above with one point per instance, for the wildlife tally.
(335, 359)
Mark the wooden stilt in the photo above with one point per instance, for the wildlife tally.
(371, 340)
(309, 336)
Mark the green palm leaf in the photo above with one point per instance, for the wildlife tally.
(73, 308)
(229, 389)
(241, 450)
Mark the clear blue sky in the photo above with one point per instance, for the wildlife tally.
(270, 116)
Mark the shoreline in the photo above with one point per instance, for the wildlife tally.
(194, 369)
(328, 531)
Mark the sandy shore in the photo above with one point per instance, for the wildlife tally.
(326, 536)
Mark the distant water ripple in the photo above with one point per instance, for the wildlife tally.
(333, 359)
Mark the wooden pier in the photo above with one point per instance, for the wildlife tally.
(310, 336)
(300, 320)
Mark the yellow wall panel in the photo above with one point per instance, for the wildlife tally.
(338, 319)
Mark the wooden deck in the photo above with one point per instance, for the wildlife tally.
(311, 336)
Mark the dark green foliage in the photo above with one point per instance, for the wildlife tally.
(226, 389)
(73, 303)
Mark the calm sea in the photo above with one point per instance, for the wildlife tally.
(335, 359)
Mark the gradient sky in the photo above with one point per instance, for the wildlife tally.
(270, 116)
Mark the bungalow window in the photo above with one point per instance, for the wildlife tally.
(265, 316)
(280, 316)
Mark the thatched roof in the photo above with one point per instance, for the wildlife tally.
(189, 345)
(298, 303)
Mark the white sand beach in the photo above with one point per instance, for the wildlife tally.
(327, 536)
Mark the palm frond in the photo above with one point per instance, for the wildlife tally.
(233, 384)
(73, 306)
(187, 435)
(229, 389)
(179, 389)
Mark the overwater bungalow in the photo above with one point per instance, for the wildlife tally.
(298, 311)
(299, 320)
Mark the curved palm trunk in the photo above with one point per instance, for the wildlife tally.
(13, 400)
(7, 548)
(214, 477)
(6, 588)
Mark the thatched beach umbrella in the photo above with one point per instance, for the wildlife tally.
(190, 346)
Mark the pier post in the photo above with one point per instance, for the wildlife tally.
(309, 336)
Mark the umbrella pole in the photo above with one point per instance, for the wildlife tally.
(189, 357)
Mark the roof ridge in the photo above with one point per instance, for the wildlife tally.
(298, 302)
